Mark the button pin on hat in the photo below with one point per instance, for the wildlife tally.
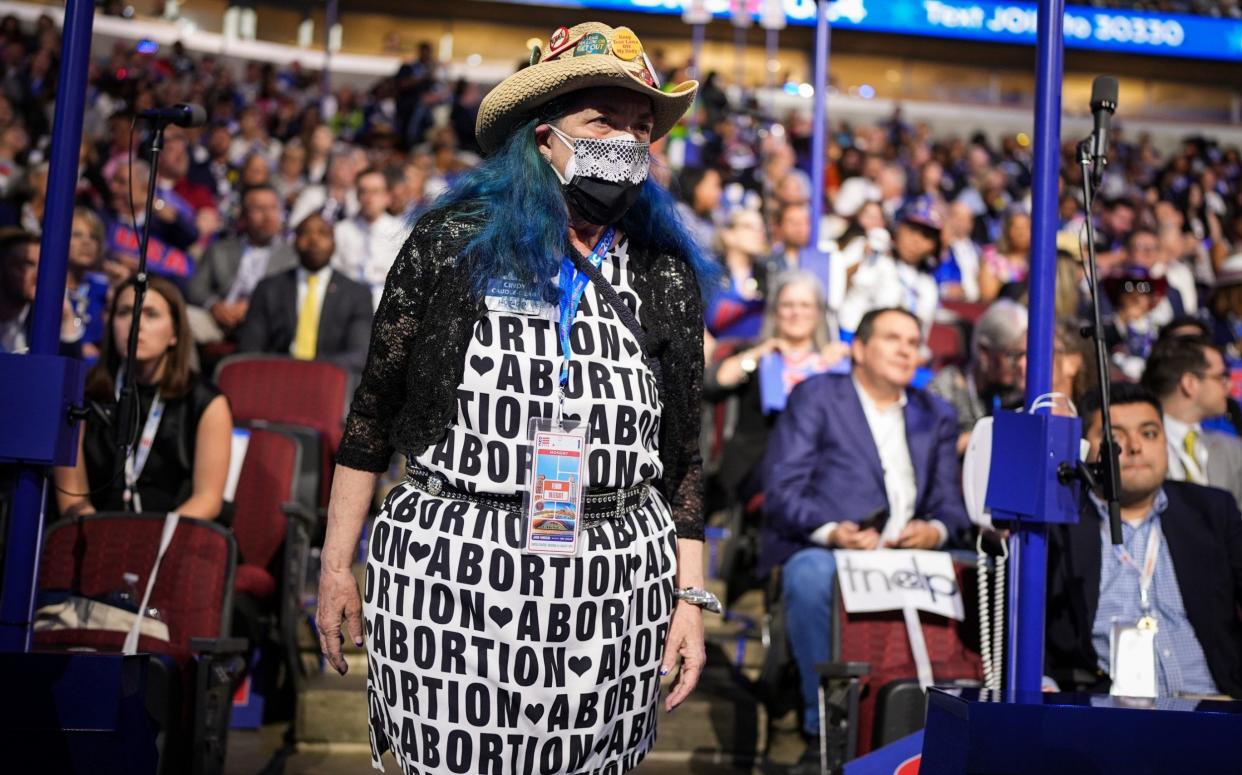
(559, 42)
(625, 45)
(591, 43)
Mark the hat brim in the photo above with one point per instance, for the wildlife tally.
(516, 99)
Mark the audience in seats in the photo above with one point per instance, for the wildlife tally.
(1009, 260)
(367, 243)
(312, 312)
(189, 430)
(19, 275)
(736, 310)
(172, 229)
(791, 237)
(902, 278)
(855, 462)
(958, 271)
(995, 376)
(232, 267)
(86, 283)
(793, 344)
(1195, 586)
(335, 199)
(1188, 375)
(19, 271)
(1227, 306)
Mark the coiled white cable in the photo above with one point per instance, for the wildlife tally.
(991, 617)
(998, 617)
(985, 624)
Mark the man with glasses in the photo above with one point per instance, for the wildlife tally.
(1188, 375)
(996, 374)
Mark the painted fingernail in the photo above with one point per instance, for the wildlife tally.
(358, 642)
(663, 671)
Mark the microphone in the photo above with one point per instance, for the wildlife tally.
(1103, 105)
(186, 115)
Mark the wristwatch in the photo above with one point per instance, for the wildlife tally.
(698, 596)
(748, 363)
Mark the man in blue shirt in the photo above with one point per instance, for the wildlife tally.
(1194, 581)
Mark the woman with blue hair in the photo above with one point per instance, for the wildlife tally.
(537, 356)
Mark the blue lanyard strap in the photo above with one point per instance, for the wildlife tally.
(572, 284)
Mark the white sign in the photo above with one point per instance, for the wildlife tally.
(892, 580)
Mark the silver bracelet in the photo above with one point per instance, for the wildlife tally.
(698, 597)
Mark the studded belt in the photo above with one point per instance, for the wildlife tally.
(597, 507)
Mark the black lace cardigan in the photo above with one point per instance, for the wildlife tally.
(418, 350)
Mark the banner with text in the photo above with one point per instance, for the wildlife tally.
(1099, 29)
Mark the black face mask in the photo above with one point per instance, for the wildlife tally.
(601, 202)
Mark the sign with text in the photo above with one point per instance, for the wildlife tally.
(1099, 29)
(896, 579)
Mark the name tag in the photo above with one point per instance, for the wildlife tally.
(1133, 659)
(514, 296)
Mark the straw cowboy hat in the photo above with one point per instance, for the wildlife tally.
(584, 56)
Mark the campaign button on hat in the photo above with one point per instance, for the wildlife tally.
(559, 38)
(591, 43)
(625, 44)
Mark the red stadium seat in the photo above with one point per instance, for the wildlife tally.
(88, 556)
(965, 311)
(284, 391)
(877, 643)
(273, 535)
(945, 343)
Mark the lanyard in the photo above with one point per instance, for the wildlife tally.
(572, 284)
(1148, 572)
(137, 460)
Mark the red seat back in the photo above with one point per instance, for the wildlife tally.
(194, 589)
(945, 343)
(264, 486)
(285, 390)
(880, 640)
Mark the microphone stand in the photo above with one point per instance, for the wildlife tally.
(1107, 470)
(127, 403)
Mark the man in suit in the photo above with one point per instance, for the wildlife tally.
(1189, 376)
(1195, 578)
(311, 312)
(855, 462)
(232, 267)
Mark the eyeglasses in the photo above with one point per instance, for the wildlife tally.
(1223, 377)
(1014, 357)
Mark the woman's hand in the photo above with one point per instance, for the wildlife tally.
(833, 353)
(685, 641)
(338, 600)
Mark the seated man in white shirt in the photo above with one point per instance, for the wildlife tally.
(902, 279)
(367, 243)
(1189, 376)
(858, 461)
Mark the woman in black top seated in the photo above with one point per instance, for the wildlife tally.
(190, 430)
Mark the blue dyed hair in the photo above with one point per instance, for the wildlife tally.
(516, 197)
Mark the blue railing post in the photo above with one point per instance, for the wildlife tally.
(819, 119)
(1028, 544)
(21, 561)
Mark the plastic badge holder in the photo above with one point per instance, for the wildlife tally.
(552, 509)
(1027, 450)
